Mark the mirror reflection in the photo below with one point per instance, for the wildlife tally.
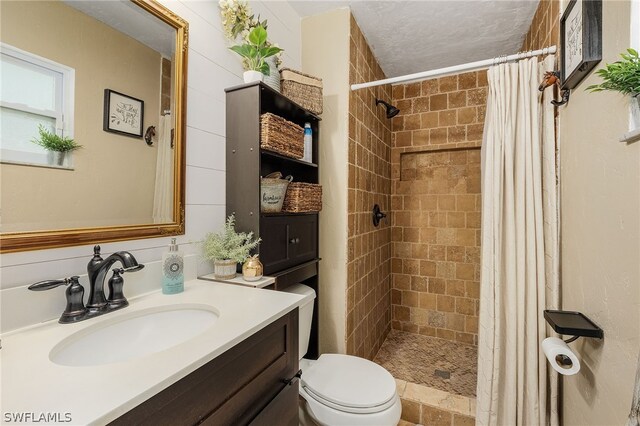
(86, 129)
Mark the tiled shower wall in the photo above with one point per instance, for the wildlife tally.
(436, 206)
(369, 248)
(545, 27)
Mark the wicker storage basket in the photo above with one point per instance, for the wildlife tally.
(303, 197)
(303, 89)
(272, 192)
(281, 136)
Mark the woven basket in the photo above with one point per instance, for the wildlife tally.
(281, 136)
(303, 89)
(303, 197)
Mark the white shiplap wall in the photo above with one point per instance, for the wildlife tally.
(211, 68)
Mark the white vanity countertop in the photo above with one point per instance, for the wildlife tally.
(32, 383)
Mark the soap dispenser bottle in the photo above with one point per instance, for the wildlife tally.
(173, 270)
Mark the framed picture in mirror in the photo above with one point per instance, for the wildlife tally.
(123, 114)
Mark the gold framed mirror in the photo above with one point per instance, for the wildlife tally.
(109, 76)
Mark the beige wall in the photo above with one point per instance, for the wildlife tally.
(600, 202)
(325, 53)
(114, 175)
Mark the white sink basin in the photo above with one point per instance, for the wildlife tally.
(128, 337)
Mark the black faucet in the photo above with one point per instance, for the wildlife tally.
(97, 270)
(98, 304)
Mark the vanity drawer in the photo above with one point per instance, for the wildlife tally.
(232, 389)
(283, 410)
(288, 241)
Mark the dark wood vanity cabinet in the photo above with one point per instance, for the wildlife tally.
(246, 385)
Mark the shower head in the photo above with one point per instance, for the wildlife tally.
(391, 110)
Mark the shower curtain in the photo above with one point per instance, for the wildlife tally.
(163, 192)
(520, 252)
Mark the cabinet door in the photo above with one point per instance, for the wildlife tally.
(275, 253)
(303, 238)
(288, 241)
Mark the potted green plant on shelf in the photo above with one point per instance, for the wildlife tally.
(238, 20)
(623, 76)
(255, 51)
(227, 248)
(58, 147)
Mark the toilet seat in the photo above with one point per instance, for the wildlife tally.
(349, 384)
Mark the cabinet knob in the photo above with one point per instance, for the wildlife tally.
(294, 240)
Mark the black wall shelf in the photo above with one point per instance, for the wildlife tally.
(571, 323)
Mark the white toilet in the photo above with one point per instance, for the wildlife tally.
(342, 389)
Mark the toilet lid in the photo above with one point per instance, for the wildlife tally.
(349, 382)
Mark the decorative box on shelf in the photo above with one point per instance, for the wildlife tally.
(238, 280)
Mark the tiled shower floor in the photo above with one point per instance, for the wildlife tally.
(429, 361)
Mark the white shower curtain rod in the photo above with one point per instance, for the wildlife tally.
(456, 69)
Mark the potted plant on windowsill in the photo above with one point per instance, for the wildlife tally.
(58, 148)
(255, 50)
(227, 248)
(623, 76)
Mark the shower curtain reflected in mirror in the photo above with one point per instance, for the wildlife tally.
(519, 264)
(163, 193)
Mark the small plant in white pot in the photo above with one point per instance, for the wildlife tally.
(623, 76)
(227, 248)
(254, 51)
(58, 147)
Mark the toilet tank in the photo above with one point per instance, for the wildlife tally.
(305, 315)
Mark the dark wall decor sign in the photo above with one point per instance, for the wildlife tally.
(122, 114)
(581, 40)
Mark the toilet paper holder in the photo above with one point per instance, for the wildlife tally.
(572, 323)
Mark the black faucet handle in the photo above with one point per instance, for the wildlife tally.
(74, 310)
(49, 284)
(116, 297)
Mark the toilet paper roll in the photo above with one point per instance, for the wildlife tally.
(560, 356)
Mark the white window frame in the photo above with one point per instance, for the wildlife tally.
(64, 114)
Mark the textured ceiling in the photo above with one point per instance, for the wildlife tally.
(128, 18)
(413, 36)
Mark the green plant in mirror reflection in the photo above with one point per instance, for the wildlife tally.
(52, 142)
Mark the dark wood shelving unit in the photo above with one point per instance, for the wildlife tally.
(287, 214)
(288, 159)
(289, 248)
